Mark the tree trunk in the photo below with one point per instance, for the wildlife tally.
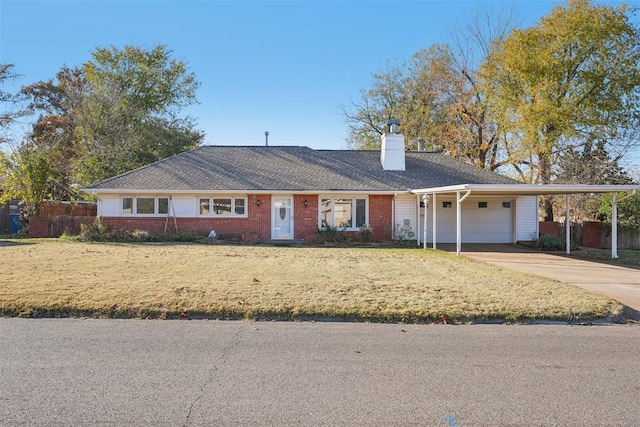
(548, 208)
(544, 169)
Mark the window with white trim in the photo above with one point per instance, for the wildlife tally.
(222, 206)
(145, 205)
(344, 213)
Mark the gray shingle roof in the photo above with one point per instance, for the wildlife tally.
(261, 168)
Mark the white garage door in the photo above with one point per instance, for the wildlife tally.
(483, 221)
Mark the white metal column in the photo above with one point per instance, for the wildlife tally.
(567, 227)
(433, 207)
(459, 201)
(614, 226)
(425, 199)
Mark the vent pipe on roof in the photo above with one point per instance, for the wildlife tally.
(393, 126)
(266, 139)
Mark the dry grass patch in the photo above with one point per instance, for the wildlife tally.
(64, 278)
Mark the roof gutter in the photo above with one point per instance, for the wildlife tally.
(527, 189)
(247, 191)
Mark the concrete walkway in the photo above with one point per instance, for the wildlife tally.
(620, 283)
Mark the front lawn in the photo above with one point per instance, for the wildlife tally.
(49, 277)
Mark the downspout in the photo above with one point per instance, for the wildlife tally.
(393, 216)
(459, 220)
(614, 222)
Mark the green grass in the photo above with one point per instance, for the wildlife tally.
(49, 277)
(628, 257)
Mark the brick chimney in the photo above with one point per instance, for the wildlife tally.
(392, 150)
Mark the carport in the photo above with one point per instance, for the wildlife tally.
(462, 191)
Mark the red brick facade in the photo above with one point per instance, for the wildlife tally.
(380, 214)
(257, 225)
(305, 218)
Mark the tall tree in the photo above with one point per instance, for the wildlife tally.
(10, 107)
(29, 177)
(628, 211)
(439, 98)
(574, 75)
(53, 131)
(117, 112)
(590, 163)
(417, 92)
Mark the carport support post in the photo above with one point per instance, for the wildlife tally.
(614, 226)
(459, 201)
(458, 224)
(567, 227)
(614, 221)
(425, 198)
(433, 206)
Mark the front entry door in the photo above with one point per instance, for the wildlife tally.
(282, 218)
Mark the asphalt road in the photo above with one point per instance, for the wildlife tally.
(74, 372)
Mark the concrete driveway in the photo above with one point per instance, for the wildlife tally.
(620, 283)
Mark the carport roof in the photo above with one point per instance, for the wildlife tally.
(527, 189)
(531, 190)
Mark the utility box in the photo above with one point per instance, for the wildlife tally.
(15, 223)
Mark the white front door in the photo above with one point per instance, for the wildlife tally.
(282, 218)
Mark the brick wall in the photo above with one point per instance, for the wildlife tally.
(305, 218)
(380, 208)
(257, 226)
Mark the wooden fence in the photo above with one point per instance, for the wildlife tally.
(592, 234)
(57, 217)
(627, 239)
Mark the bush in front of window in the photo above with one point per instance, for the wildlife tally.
(183, 236)
(365, 232)
(99, 232)
(330, 235)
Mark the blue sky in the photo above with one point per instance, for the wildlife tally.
(279, 66)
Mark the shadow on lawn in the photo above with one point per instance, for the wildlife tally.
(13, 243)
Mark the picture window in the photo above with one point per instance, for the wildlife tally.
(145, 205)
(127, 205)
(343, 213)
(222, 206)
